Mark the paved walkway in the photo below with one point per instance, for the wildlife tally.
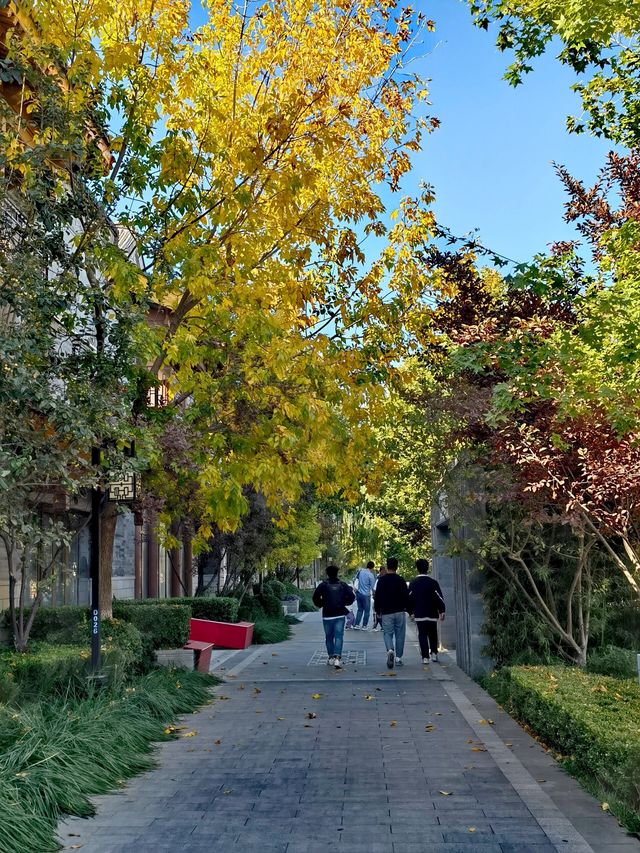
(293, 757)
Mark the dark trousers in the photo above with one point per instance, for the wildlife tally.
(428, 638)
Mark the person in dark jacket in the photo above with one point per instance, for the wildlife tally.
(391, 600)
(333, 596)
(426, 604)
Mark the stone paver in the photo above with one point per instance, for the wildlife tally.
(377, 762)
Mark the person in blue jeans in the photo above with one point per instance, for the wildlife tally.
(366, 582)
(391, 602)
(333, 596)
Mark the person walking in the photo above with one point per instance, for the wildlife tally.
(333, 596)
(426, 603)
(364, 583)
(391, 602)
(376, 622)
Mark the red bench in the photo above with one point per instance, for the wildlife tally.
(201, 654)
(224, 635)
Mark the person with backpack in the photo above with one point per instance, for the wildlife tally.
(426, 603)
(363, 583)
(391, 601)
(333, 596)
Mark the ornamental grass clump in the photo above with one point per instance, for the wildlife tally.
(593, 721)
(61, 752)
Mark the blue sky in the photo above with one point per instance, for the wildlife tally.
(490, 161)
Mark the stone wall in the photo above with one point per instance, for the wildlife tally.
(462, 584)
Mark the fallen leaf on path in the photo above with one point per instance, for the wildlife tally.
(74, 835)
(604, 807)
(368, 697)
(229, 791)
(478, 749)
(217, 742)
(508, 744)
(438, 714)
(189, 734)
(257, 690)
(472, 829)
(470, 740)
(316, 695)
(259, 712)
(308, 726)
(240, 686)
(393, 723)
(378, 688)
(274, 654)
(445, 793)
(312, 715)
(224, 698)
(280, 718)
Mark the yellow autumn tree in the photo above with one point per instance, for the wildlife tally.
(248, 155)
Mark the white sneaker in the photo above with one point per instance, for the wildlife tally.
(426, 661)
(390, 657)
(377, 628)
(356, 628)
(338, 663)
(434, 657)
(399, 662)
(331, 662)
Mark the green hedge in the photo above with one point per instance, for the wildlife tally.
(218, 609)
(167, 627)
(594, 721)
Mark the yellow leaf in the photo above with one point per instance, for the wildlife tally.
(445, 793)
(604, 807)
(316, 695)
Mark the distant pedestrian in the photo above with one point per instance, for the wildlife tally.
(376, 622)
(391, 602)
(363, 583)
(426, 603)
(334, 597)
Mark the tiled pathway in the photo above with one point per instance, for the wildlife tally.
(296, 758)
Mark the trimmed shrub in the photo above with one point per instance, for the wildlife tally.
(167, 627)
(269, 602)
(271, 631)
(217, 608)
(614, 661)
(66, 621)
(250, 610)
(276, 587)
(593, 721)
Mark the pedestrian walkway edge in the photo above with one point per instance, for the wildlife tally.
(557, 827)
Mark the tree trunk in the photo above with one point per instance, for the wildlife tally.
(175, 564)
(108, 523)
(187, 563)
